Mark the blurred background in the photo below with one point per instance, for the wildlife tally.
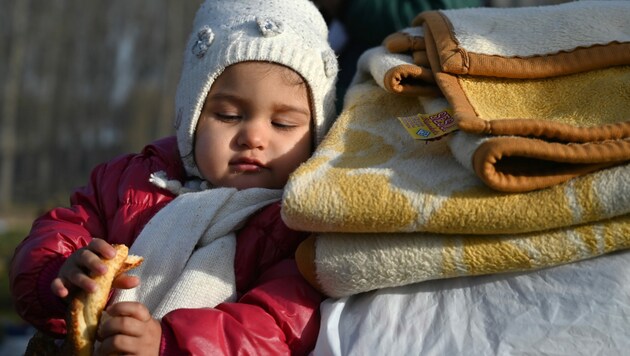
(82, 82)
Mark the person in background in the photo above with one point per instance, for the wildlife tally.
(256, 96)
(363, 24)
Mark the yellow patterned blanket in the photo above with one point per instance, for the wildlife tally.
(536, 176)
(543, 92)
(341, 264)
(368, 175)
(389, 211)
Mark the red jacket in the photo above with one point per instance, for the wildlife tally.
(277, 310)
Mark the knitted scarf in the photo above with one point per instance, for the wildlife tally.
(189, 246)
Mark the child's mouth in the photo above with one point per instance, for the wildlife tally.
(246, 165)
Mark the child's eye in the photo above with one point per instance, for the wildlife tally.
(282, 125)
(227, 117)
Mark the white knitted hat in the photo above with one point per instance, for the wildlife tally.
(288, 32)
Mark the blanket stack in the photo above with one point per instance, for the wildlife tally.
(536, 175)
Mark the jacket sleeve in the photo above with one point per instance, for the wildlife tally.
(115, 204)
(278, 316)
(53, 237)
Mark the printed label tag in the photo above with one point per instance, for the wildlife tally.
(429, 126)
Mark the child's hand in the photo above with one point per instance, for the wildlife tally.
(129, 329)
(82, 265)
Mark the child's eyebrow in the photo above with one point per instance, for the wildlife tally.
(225, 96)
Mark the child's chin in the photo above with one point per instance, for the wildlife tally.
(253, 183)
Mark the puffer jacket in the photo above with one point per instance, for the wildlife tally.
(276, 312)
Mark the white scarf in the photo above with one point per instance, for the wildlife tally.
(189, 246)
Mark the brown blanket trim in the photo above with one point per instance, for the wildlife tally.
(412, 80)
(451, 58)
(305, 260)
(420, 58)
(400, 42)
(517, 164)
(468, 119)
(559, 131)
(579, 60)
(456, 60)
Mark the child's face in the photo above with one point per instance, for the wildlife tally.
(255, 127)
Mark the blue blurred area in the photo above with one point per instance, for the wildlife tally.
(14, 338)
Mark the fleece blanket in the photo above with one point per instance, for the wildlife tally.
(341, 265)
(558, 183)
(369, 182)
(369, 175)
(542, 91)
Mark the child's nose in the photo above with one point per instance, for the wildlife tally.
(252, 134)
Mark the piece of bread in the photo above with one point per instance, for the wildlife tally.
(86, 308)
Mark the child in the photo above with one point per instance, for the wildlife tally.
(255, 97)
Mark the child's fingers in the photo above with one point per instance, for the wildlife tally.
(102, 248)
(118, 345)
(121, 325)
(82, 281)
(127, 318)
(125, 281)
(131, 309)
(128, 328)
(58, 288)
(81, 266)
(73, 275)
(89, 260)
(92, 256)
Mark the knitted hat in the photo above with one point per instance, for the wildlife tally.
(288, 32)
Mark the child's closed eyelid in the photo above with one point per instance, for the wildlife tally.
(291, 119)
(283, 125)
(290, 124)
(222, 110)
(227, 117)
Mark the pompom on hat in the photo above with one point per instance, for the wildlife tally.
(292, 33)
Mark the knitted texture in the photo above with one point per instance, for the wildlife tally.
(291, 33)
(188, 249)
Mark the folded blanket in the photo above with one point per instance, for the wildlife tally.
(536, 176)
(544, 90)
(340, 265)
(398, 73)
(369, 175)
